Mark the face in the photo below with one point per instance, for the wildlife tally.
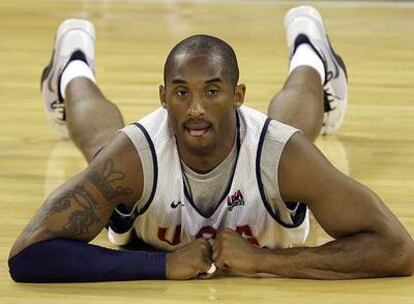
(200, 100)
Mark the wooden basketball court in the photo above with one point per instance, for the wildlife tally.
(375, 145)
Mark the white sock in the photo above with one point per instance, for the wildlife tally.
(76, 68)
(305, 55)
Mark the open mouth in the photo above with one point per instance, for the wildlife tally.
(197, 131)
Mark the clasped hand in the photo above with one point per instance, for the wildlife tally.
(229, 251)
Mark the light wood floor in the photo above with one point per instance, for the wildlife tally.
(375, 145)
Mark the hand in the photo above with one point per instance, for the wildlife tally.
(231, 252)
(189, 261)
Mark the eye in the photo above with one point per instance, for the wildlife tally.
(181, 92)
(212, 92)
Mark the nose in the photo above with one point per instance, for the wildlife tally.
(195, 108)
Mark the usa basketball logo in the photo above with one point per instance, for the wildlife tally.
(235, 200)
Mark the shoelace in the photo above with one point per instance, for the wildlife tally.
(59, 110)
(328, 94)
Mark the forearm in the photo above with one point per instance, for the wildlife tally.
(63, 260)
(359, 256)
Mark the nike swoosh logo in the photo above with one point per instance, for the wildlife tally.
(336, 69)
(49, 86)
(176, 204)
(334, 58)
(49, 82)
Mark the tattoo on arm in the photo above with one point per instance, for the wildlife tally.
(104, 182)
(83, 203)
(81, 220)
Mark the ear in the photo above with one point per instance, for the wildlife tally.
(162, 96)
(239, 95)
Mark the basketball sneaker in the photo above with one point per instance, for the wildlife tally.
(74, 40)
(304, 24)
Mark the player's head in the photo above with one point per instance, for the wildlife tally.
(205, 44)
(201, 92)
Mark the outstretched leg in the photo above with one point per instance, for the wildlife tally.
(91, 119)
(300, 102)
(314, 97)
(73, 103)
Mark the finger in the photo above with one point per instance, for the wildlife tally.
(207, 256)
(202, 265)
(206, 253)
(202, 242)
(209, 250)
(221, 259)
(211, 241)
(205, 247)
(209, 273)
(208, 270)
(218, 259)
(217, 248)
(205, 276)
(223, 264)
(219, 234)
(216, 253)
(226, 268)
(205, 266)
(222, 234)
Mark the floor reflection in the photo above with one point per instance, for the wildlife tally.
(64, 162)
(336, 152)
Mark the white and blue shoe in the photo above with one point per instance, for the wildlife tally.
(304, 24)
(75, 40)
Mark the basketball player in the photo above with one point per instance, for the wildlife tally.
(207, 181)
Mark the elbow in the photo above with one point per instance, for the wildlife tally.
(23, 263)
(401, 257)
(22, 259)
(16, 269)
(407, 259)
(30, 265)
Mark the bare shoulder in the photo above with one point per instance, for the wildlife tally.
(306, 175)
(303, 168)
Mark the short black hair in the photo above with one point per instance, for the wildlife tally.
(206, 44)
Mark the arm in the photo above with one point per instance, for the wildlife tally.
(369, 240)
(53, 247)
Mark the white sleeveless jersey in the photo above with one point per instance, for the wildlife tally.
(169, 219)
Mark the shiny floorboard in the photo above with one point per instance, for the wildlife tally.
(375, 145)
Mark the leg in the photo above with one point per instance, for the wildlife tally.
(74, 105)
(91, 119)
(300, 102)
(314, 97)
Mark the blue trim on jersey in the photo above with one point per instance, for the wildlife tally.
(226, 192)
(155, 164)
(301, 209)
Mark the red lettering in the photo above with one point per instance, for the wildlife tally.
(162, 232)
(246, 233)
(205, 232)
